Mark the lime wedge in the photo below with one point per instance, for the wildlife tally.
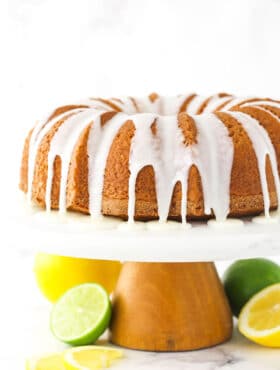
(81, 315)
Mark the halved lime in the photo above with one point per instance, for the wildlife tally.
(81, 315)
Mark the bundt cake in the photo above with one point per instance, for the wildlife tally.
(182, 157)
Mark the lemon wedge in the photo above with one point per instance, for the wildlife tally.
(259, 320)
(48, 362)
(90, 357)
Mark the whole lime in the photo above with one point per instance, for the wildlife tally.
(244, 278)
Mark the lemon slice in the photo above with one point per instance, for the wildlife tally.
(53, 362)
(90, 357)
(260, 318)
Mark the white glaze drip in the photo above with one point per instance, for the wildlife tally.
(215, 102)
(38, 133)
(184, 190)
(164, 150)
(168, 156)
(170, 105)
(195, 104)
(98, 104)
(176, 160)
(62, 145)
(126, 105)
(234, 102)
(143, 152)
(213, 156)
(263, 147)
(263, 102)
(145, 105)
(171, 160)
(261, 108)
(99, 144)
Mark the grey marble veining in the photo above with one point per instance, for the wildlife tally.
(236, 354)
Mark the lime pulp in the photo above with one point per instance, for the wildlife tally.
(81, 315)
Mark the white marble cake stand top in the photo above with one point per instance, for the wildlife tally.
(78, 236)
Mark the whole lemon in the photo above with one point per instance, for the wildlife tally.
(56, 274)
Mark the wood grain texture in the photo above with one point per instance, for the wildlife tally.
(170, 307)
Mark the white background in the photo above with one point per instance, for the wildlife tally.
(55, 51)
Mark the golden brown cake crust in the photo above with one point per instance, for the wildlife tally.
(245, 188)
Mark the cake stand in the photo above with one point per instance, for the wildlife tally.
(169, 296)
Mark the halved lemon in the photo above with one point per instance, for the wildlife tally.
(90, 357)
(259, 320)
(47, 362)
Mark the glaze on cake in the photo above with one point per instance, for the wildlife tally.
(157, 157)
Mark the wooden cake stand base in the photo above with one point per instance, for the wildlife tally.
(170, 307)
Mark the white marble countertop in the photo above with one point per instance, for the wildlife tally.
(24, 328)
